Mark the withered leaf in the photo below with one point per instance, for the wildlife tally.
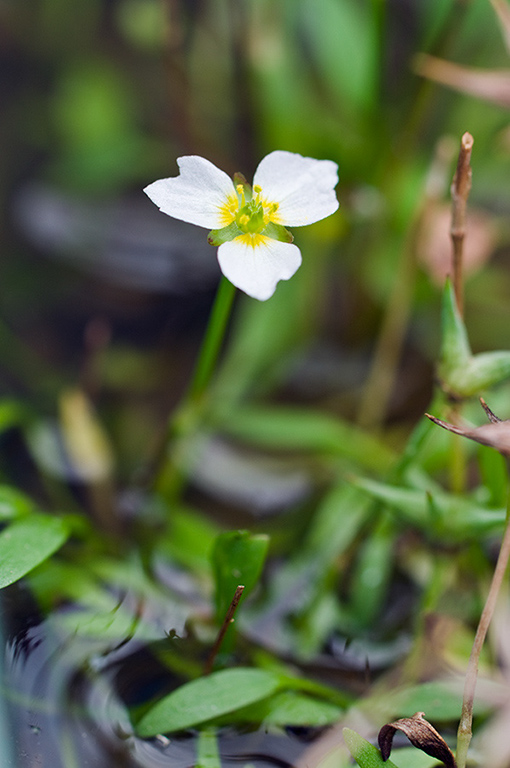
(495, 435)
(421, 734)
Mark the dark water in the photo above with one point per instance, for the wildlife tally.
(62, 704)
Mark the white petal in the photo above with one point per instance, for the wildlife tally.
(303, 187)
(196, 195)
(257, 269)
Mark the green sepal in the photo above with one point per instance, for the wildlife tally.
(224, 235)
(461, 373)
(277, 232)
(240, 179)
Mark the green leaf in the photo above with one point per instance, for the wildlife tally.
(373, 571)
(441, 514)
(238, 558)
(27, 543)
(363, 752)
(455, 349)
(484, 371)
(343, 45)
(13, 503)
(462, 373)
(290, 708)
(438, 700)
(410, 757)
(207, 698)
(188, 539)
(298, 429)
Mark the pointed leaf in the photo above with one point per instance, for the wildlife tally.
(363, 752)
(455, 349)
(483, 371)
(297, 429)
(238, 557)
(440, 513)
(207, 698)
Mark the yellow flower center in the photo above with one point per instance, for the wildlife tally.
(251, 216)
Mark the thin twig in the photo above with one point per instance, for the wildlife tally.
(464, 732)
(460, 189)
(227, 621)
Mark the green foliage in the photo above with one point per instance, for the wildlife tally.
(363, 752)
(207, 698)
(293, 429)
(443, 516)
(384, 558)
(239, 696)
(238, 559)
(462, 373)
(28, 542)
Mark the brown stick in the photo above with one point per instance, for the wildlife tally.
(464, 732)
(460, 189)
(227, 621)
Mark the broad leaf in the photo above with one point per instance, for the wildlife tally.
(27, 543)
(207, 698)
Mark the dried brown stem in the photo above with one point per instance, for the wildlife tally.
(227, 621)
(460, 189)
(464, 732)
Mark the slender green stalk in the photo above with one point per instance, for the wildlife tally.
(381, 379)
(213, 339)
(208, 754)
(182, 422)
(464, 732)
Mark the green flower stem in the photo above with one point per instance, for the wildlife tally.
(169, 478)
(377, 390)
(464, 732)
(213, 339)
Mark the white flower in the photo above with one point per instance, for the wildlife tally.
(255, 250)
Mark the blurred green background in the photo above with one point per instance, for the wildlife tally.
(99, 98)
